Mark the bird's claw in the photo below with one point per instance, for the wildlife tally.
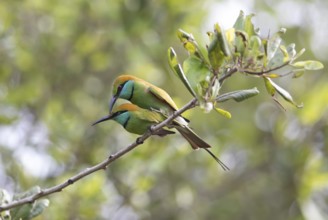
(151, 129)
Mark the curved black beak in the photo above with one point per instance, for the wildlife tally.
(108, 117)
(112, 103)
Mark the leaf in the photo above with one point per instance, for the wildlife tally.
(298, 73)
(282, 92)
(184, 36)
(308, 65)
(300, 53)
(291, 51)
(255, 43)
(38, 207)
(215, 89)
(4, 199)
(230, 36)
(271, 75)
(245, 24)
(248, 25)
(240, 22)
(218, 49)
(196, 72)
(269, 87)
(34, 190)
(223, 112)
(21, 212)
(190, 47)
(273, 45)
(177, 69)
(284, 52)
(239, 95)
(241, 40)
(190, 44)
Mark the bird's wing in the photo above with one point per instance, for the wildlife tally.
(149, 116)
(161, 95)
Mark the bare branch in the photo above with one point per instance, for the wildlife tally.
(100, 166)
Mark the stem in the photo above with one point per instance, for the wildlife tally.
(99, 166)
(264, 71)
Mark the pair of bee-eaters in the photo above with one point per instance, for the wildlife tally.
(149, 105)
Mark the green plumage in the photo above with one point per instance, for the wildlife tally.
(150, 105)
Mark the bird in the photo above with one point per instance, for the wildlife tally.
(136, 120)
(139, 120)
(148, 96)
(142, 93)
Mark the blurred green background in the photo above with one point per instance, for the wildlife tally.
(58, 60)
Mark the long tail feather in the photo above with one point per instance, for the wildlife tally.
(224, 167)
(196, 142)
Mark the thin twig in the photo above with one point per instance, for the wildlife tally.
(264, 71)
(100, 166)
(227, 75)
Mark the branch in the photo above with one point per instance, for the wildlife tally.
(100, 166)
(264, 71)
(227, 75)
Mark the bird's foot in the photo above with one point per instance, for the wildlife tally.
(151, 129)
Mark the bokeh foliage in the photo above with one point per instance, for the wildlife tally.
(58, 60)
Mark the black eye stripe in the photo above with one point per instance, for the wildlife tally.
(120, 87)
(118, 113)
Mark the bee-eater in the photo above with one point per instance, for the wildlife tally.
(142, 93)
(138, 121)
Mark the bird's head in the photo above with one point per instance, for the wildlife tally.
(120, 113)
(123, 87)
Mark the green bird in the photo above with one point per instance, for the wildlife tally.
(143, 94)
(138, 121)
(148, 96)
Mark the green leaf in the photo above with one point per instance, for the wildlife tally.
(34, 190)
(284, 52)
(238, 96)
(215, 89)
(190, 47)
(308, 65)
(248, 25)
(255, 43)
(240, 22)
(218, 49)
(300, 53)
(196, 72)
(244, 24)
(241, 40)
(190, 44)
(184, 36)
(38, 207)
(283, 93)
(269, 87)
(21, 212)
(272, 75)
(223, 112)
(273, 45)
(291, 51)
(298, 73)
(177, 69)
(4, 199)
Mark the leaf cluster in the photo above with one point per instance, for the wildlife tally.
(26, 211)
(239, 49)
